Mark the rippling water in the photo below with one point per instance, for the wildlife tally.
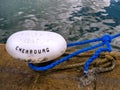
(74, 19)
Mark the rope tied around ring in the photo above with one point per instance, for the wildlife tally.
(105, 41)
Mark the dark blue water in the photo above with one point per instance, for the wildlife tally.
(74, 19)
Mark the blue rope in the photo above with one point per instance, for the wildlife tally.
(83, 42)
(106, 39)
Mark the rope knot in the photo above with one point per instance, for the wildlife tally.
(106, 38)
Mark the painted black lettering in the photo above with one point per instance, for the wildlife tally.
(39, 51)
(23, 50)
(17, 48)
(47, 50)
(43, 51)
(31, 51)
(26, 51)
(35, 51)
(20, 49)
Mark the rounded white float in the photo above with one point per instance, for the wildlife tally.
(36, 46)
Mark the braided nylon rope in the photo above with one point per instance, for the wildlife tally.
(105, 41)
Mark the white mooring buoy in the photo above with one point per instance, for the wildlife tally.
(36, 46)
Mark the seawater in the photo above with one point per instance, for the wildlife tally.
(75, 20)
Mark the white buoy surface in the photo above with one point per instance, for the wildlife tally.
(36, 46)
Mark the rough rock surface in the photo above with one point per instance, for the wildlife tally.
(16, 75)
